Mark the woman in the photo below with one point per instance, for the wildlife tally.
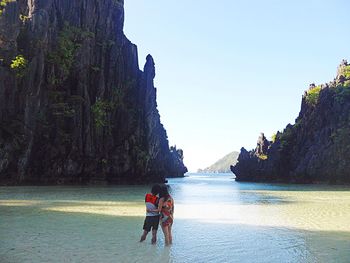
(166, 209)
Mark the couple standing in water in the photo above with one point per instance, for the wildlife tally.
(159, 210)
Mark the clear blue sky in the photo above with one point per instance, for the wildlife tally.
(227, 70)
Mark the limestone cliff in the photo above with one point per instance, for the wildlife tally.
(316, 148)
(74, 105)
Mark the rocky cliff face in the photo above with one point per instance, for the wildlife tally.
(316, 148)
(74, 105)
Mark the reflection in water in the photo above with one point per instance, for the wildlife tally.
(216, 220)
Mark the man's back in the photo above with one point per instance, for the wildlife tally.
(151, 204)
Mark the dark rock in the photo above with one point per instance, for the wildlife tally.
(74, 105)
(262, 145)
(314, 149)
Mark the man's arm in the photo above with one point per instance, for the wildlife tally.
(160, 205)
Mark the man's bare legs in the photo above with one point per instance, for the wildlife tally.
(144, 235)
(154, 236)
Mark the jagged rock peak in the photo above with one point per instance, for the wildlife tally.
(150, 66)
(262, 145)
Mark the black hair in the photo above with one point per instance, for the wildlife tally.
(164, 191)
(156, 189)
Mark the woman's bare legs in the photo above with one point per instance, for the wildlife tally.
(170, 234)
(166, 235)
(154, 236)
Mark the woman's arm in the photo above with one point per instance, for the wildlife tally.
(160, 204)
(173, 207)
(172, 210)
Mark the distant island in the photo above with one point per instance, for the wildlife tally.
(222, 165)
(314, 149)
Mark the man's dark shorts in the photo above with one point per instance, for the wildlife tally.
(151, 222)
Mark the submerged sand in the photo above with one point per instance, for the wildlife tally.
(216, 220)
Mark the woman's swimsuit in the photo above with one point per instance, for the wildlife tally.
(167, 212)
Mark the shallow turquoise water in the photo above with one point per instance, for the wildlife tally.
(216, 220)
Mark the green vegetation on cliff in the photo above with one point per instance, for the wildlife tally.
(344, 71)
(312, 95)
(100, 111)
(3, 4)
(69, 41)
(19, 64)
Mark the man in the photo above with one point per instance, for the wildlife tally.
(152, 215)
